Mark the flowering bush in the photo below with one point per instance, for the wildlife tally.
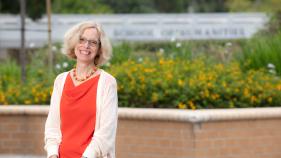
(12, 91)
(177, 83)
(171, 78)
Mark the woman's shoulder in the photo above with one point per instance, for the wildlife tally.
(61, 76)
(107, 76)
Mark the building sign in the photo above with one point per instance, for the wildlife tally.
(138, 27)
(182, 33)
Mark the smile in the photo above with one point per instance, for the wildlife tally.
(84, 52)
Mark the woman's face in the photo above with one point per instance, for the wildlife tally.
(87, 47)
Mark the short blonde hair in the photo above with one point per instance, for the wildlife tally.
(72, 37)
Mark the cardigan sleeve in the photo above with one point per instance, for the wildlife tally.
(103, 140)
(52, 126)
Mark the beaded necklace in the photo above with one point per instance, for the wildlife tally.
(87, 76)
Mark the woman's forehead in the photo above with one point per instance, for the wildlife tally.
(90, 32)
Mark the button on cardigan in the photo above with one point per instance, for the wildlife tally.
(102, 144)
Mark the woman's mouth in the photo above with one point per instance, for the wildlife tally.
(84, 52)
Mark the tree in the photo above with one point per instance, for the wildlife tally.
(34, 8)
(210, 6)
(131, 6)
(80, 7)
(178, 6)
(270, 6)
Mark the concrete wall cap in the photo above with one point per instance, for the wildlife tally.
(24, 110)
(194, 116)
(204, 115)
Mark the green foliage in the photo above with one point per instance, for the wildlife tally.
(262, 53)
(173, 74)
(269, 6)
(10, 74)
(12, 91)
(273, 26)
(121, 52)
(34, 8)
(218, 50)
(160, 6)
(208, 6)
(181, 83)
(129, 6)
(6, 7)
(80, 7)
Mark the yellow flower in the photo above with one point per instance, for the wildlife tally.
(142, 78)
(224, 84)
(246, 92)
(120, 87)
(191, 82)
(51, 90)
(44, 96)
(161, 62)
(148, 70)
(269, 99)
(215, 96)
(219, 67)
(279, 87)
(250, 81)
(154, 97)
(27, 101)
(191, 105)
(209, 85)
(169, 76)
(202, 77)
(180, 83)
(253, 99)
(36, 100)
(181, 105)
(206, 93)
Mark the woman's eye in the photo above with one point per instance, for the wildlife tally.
(83, 40)
(93, 42)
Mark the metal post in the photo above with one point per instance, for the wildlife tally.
(50, 53)
(22, 50)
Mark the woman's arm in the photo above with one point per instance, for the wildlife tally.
(103, 141)
(52, 126)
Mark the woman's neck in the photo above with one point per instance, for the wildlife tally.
(83, 69)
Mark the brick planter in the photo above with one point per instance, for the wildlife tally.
(161, 133)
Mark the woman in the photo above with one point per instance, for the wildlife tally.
(82, 119)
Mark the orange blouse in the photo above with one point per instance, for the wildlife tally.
(78, 116)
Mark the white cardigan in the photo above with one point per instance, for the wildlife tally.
(102, 144)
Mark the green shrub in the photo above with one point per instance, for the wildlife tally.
(177, 83)
(121, 52)
(262, 53)
(173, 76)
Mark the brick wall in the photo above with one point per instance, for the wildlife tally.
(239, 139)
(154, 139)
(21, 134)
(159, 133)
